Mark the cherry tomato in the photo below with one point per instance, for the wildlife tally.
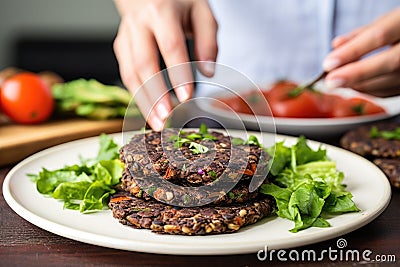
(354, 107)
(279, 90)
(253, 102)
(235, 103)
(308, 104)
(25, 98)
(301, 106)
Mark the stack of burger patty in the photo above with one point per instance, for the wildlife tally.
(170, 187)
(384, 152)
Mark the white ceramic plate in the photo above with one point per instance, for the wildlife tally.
(297, 126)
(363, 178)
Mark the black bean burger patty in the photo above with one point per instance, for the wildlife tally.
(146, 154)
(148, 159)
(147, 189)
(360, 141)
(391, 167)
(210, 219)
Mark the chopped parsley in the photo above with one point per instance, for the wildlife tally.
(390, 135)
(359, 109)
(252, 140)
(212, 174)
(190, 139)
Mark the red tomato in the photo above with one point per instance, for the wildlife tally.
(279, 90)
(235, 103)
(308, 104)
(25, 98)
(253, 102)
(354, 107)
(301, 106)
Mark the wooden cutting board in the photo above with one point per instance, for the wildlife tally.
(19, 141)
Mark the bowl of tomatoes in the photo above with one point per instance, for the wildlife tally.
(287, 108)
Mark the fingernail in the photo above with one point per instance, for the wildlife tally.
(156, 123)
(162, 111)
(334, 83)
(182, 92)
(330, 63)
(208, 67)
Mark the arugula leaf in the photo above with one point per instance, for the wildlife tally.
(84, 187)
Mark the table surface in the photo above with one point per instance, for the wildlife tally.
(24, 244)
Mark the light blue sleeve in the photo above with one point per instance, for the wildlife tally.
(269, 40)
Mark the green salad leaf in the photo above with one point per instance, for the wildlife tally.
(94, 100)
(86, 186)
(306, 185)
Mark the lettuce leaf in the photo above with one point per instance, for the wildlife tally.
(306, 185)
(87, 186)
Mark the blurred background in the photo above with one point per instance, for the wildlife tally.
(73, 38)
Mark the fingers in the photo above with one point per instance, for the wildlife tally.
(159, 25)
(129, 61)
(382, 86)
(145, 62)
(205, 30)
(382, 63)
(172, 45)
(342, 39)
(383, 31)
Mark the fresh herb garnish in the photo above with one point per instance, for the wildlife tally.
(197, 148)
(151, 190)
(184, 138)
(299, 90)
(238, 141)
(203, 129)
(212, 174)
(359, 109)
(86, 186)
(390, 135)
(306, 185)
(231, 195)
(252, 140)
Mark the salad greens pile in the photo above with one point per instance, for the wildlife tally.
(94, 100)
(86, 186)
(306, 185)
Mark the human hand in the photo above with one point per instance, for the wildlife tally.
(378, 74)
(162, 25)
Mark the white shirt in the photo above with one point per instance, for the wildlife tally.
(269, 40)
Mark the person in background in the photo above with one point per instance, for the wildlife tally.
(357, 41)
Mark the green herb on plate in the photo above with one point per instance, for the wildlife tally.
(191, 138)
(390, 135)
(252, 140)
